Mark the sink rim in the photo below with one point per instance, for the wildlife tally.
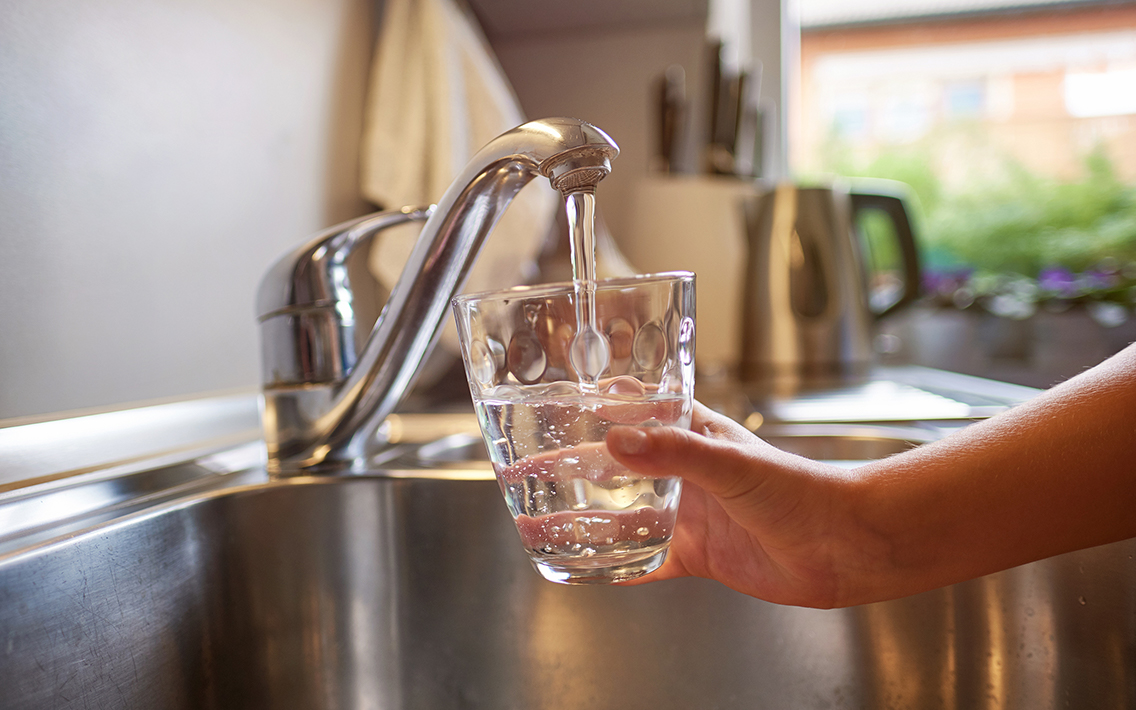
(121, 470)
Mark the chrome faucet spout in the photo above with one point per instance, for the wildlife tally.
(324, 402)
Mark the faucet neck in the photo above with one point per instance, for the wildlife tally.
(334, 425)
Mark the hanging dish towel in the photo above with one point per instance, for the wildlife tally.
(437, 95)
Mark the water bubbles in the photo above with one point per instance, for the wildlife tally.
(567, 467)
(588, 552)
(622, 493)
(643, 532)
(549, 441)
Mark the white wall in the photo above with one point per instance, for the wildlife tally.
(155, 157)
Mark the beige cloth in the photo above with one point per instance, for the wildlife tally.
(438, 95)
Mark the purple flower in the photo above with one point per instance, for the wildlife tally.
(945, 282)
(1058, 281)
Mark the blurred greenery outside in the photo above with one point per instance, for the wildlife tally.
(1002, 237)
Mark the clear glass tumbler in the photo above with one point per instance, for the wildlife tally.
(547, 391)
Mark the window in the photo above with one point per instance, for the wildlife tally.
(1107, 93)
(964, 99)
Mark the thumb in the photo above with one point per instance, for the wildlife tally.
(720, 467)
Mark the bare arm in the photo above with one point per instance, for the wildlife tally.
(1053, 475)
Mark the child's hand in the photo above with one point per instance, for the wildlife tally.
(759, 520)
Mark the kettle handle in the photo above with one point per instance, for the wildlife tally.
(895, 208)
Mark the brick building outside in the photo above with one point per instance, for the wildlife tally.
(1043, 83)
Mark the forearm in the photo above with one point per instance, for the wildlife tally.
(1053, 475)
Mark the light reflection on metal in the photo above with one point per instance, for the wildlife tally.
(993, 596)
(948, 675)
(47, 450)
(1036, 648)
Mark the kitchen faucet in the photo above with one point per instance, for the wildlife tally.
(324, 399)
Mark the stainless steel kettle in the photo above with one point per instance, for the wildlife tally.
(807, 314)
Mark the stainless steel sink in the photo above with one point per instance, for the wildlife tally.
(199, 583)
(372, 592)
(844, 444)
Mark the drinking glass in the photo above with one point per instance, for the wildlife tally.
(551, 369)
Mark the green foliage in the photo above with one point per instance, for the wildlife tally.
(1011, 220)
(1028, 223)
(879, 236)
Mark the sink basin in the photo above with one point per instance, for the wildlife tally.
(844, 444)
(379, 592)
